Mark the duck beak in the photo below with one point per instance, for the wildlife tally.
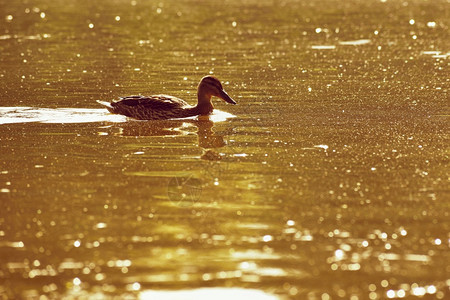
(225, 97)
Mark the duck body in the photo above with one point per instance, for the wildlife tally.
(161, 107)
(155, 107)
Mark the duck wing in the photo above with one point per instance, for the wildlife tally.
(155, 102)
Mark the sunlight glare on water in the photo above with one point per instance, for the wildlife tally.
(58, 115)
(205, 293)
(9, 115)
(327, 180)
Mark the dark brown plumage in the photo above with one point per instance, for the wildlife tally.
(159, 107)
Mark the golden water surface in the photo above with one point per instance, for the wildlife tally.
(328, 180)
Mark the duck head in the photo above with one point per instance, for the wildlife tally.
(210, 86)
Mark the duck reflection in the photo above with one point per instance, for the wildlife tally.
(207, 138)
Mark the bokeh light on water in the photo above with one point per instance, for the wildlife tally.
(328, 180)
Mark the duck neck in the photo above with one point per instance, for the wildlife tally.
(204, 105)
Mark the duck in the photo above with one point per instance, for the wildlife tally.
(162, 107)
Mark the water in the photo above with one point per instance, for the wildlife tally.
(328, 180)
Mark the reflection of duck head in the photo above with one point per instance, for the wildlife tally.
(207, 138)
